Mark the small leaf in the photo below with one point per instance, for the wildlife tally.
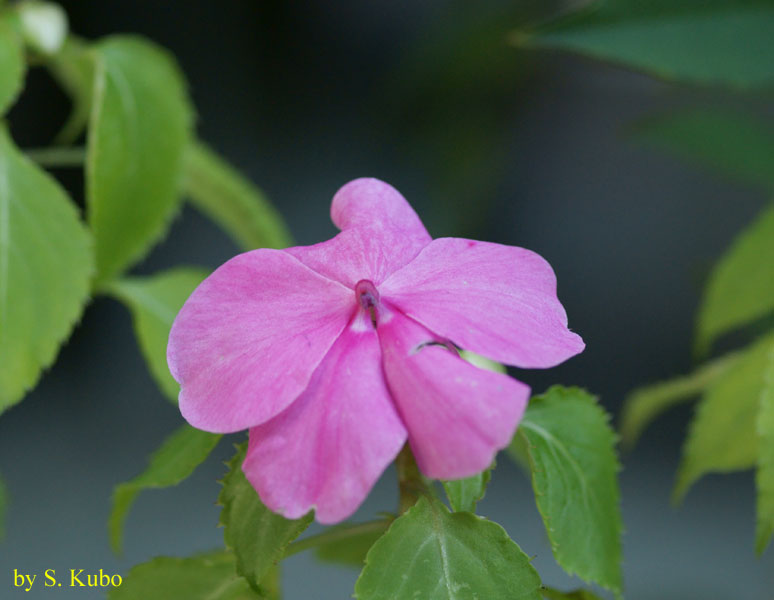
(725, 42)
(204, 577)
(45, 266)
(647, 403)
(155, 302)
(12, 65)
(574, 467)
(732, 143)
(764, 476)
(465, 493)
(257, 536)
(552, 594)
(73, 68)
(173, 462)
(741, 287)
(722, 435)
(353, 545)
(140, 127)
(432, 554)
(229, 199)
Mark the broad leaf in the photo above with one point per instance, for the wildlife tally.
(229, 199)
(741, 287)
(73, 68)
(11, 65)
(139, 131)
(645, 404)
(722, 436)
(574, 475)
(45, 266)
(257, 536)
(204, 577)
(349, 544)
(733, 143)
(464, 494)
(154, 302)
(764, 477)
(173, 462)
(724, 42)
(432, 554)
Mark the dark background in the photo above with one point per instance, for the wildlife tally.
(529, 149)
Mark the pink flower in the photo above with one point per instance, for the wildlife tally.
(334, 355)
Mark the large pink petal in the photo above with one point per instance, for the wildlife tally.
(330, 446)
(499, 301)
(458, 416)
(247, 341)
(380, 234)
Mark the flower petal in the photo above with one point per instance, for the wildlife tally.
(380, 234)
(458, 416)
(247, 341)
(330, 446)
(499, 301)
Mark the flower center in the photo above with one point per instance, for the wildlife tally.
(368, 298)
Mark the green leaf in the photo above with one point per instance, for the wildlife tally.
(45, 267)
(552, 594)
(204, 577)
(154, 302)
(574, 475)
(432, 554)
(741, 287)
(349, 544)
(464, 494)
(647, 403)
(232, 201)
(725, 42)
(733, 143)
(722, 436)
(173, 462)
(257, 536)
(12, 65)
(73, 68)
(764, 477)
(139, 131)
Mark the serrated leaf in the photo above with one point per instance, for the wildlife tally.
(741, 286)
(552, 594)
(173, 462)
(257, 536)
(45, 266)
(432, 554)
(574, 475)
(733, 143)
(725, 42)
(464, 494)
(722, 435)
(154, 302)
(139, 131)
(12, 65)
(73, 68)
(232, 201)
(204, 577)
(353, 544)
(764, 476)
(645, 404)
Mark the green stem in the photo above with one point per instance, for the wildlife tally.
(336, 535)
(411, 484)
(58, 156)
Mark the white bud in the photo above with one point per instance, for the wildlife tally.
(44, 25)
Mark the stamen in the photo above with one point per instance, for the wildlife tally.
(368, 297)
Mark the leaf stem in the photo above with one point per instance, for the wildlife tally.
(335, 535)
(58, 156)
(411, 484)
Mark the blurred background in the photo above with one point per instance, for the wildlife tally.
(528, 148)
